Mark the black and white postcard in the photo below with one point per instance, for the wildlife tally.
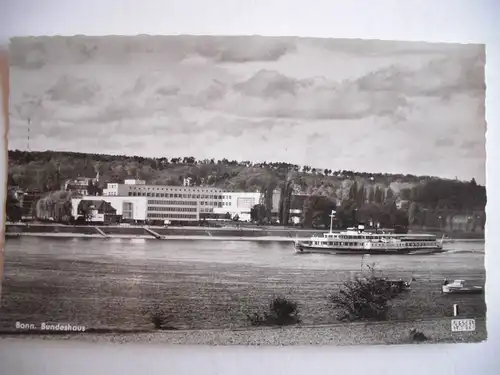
(245, 190)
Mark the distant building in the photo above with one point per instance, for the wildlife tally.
(173, 203)
(134, 182)
(297, 208)
(80, 185)
(116, 189)
(402, 204)
(28, 203)
(238, 204)
(128, 209)
(95, 211)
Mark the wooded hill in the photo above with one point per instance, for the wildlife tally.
(423, 200)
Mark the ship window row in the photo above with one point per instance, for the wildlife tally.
(423, 239)
(174, 195)
(380, 237)
(173, 203)
(172, 209)
(171, 216)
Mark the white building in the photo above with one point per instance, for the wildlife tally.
(172, 203)
(129, 208)
(238, 204)
(116, 189)
(134, 182)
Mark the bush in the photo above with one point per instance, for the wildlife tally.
(417, 336)
(159, 317)
(363, 298)
(281, 312)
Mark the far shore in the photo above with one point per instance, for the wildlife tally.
(230, 233)
(148, 237)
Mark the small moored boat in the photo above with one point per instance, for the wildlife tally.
(459, 287)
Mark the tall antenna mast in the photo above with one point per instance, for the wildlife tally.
(29, 125)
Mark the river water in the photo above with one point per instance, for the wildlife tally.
(209, 283)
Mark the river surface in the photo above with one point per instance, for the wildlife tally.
(210, 284)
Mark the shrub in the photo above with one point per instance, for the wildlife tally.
(363, 298)
(159, 317)
(281, 312)
(417, 335)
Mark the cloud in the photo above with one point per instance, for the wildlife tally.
(271, 94)
(241, 49)
(37, 52)
(167, 90)
(266, 83)
(327, 103)
(444, 142)
(441, 77)
(389, 48)
(73, 90)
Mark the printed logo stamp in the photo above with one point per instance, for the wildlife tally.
(463, 325)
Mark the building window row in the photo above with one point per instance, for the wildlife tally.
(206, 209)
(173, 203)
(172, 209)
(213, 204)
(151, 188)
(174, 195)
(171, 216)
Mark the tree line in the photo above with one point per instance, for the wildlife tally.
(355, 196)
(46, 170)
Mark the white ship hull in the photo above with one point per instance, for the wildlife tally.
(357, 241)
(305, 248)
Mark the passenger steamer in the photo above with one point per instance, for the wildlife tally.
(357, 241)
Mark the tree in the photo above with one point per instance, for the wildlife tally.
(412, 213)
(93, 189)
(389, 194)
(364, 298)
(56, 205)
(13, 207)
(371, 194)
(378, 196)
(285, 200)
(10, 180)
(258, 213)
(317, 211)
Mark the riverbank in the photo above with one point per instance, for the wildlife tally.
(150, 237)
(151, 232)
(342, 334)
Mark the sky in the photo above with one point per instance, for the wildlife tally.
(362, 105)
